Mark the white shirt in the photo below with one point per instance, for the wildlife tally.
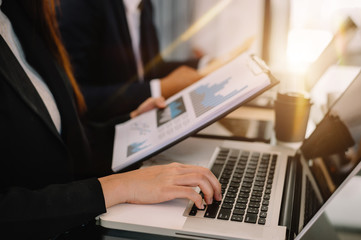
(133, 19)
(7, 32)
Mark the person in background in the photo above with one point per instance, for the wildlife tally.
(49, 184)
(114, 48)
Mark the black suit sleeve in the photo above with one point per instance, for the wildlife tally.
(44, 213)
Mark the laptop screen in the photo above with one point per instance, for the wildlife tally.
(333, 149)
(331, 54)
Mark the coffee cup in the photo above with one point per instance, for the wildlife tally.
(291, 116)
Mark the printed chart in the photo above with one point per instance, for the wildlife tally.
(139, 131)
(208, 96)
(173, 110)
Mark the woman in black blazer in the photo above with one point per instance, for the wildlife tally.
(48, 182)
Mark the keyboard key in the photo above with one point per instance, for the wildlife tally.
(233, 189)
(228, 200)
(256, 199)
(235, 184)
(231, 195)
(245, 189)
(239, 171)
(249, 175)
(236, 180)
(238, 175)
(253, 164)
(261, 174)
(229, 167)
(259, 183)
(212, 210)
(237, 218)
(239, 211)
(262, 221)
(263, 214)
(254, 204)
(252, 210)
(226, 173)
(224, 214)
(242, 200)
(251, 218)
(264, 208)
(260, 179)
(243, 195)
(227, 205)
(258, 188)
(252, 167)
(240, 205)
(250, 171)
(256, 194)
(249, 180)
(193, 210)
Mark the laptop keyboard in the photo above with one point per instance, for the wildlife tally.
(312, 204)
(246, 178)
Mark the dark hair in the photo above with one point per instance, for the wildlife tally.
(43, 13)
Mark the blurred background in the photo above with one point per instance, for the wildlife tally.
(289, 35)
(311, 46)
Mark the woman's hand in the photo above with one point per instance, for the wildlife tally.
(161, 183)
(147, 105)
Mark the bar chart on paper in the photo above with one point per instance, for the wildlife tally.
(208, 96)
(141, 130)
(140, 133)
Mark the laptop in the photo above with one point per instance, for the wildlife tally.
(269, 192)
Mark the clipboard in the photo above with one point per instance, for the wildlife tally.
(188, 111)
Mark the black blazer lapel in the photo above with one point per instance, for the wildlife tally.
(41, 59)
(12, 71)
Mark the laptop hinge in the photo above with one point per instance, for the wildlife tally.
(289, 202)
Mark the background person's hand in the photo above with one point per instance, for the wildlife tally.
(180, 78)
(147, 105)
(161, 183)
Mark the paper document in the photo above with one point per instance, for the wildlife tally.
(190, 110)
